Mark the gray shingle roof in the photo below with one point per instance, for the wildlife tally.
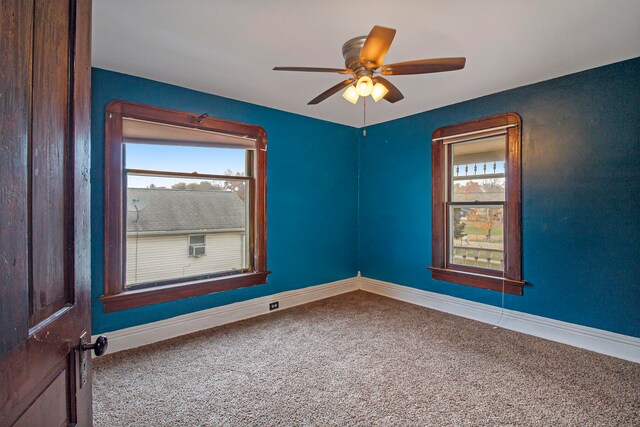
(175, 210)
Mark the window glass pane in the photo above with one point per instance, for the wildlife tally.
(187, 159)
(197, 239)
(478, 170)
(476, 236)
(184, 228)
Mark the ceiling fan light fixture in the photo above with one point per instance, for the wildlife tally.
(364, 58)
(351, 94)
(364, 86)
(379, 91)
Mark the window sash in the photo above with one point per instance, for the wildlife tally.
(449, 238)
(183, 280)
(170, 174)
(192, 243)
(449, 168)
(248, 264)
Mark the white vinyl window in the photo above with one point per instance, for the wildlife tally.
(197, 245)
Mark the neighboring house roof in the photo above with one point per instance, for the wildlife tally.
(183, 210)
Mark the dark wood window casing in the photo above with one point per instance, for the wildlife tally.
(509, 279)
(116, 297)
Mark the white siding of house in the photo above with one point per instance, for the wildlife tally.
(167, 257)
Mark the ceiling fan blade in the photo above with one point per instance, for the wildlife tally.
(327, 93)
(394, 94)
(376, 46)
(314, 69)
(423, 66)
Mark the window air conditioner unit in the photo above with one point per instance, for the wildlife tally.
(196, 250)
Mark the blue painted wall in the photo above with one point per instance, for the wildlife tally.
(311, 196)
(581, 201)
(581, 163)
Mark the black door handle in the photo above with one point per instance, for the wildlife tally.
(99, 347)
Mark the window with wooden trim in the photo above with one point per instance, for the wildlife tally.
(173, 178)
(476, 202)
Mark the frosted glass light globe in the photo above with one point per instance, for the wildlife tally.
(351, 94)
(379, 91)
(364, 86)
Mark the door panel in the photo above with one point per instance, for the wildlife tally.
(44, 211)
(50, 151)
(15, 49)
(51, 408)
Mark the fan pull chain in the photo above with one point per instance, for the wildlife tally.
(364, 120)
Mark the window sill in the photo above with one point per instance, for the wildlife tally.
(141, 297)
(513, 287)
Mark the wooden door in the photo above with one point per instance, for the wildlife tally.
(45, 380)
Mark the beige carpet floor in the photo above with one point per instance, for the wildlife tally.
(362, 359)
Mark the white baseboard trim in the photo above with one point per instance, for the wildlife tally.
(598, 340)
(148, 333)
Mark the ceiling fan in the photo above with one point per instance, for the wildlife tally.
(363, 56)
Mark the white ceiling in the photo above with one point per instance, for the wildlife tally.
(228, 48)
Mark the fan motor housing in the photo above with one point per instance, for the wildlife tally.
(351, 53)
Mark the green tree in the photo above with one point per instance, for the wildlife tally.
(458, 225)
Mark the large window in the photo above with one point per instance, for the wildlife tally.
(476, 204)
(184, 207)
